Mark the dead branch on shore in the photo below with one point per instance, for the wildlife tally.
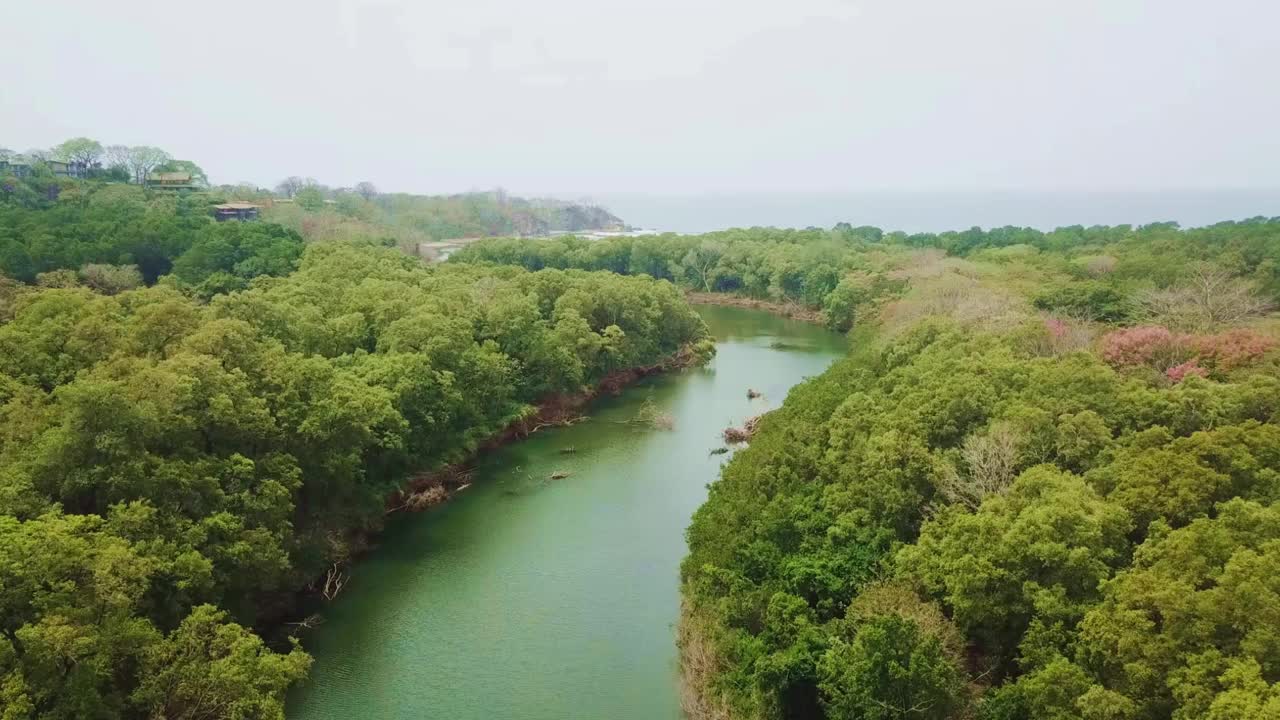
(560, 474)
(735, 435)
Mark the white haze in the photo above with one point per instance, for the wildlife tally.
(667, 97)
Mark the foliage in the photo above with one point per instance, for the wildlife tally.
(172, 471)
(1217, 274)
(116, 225)
(1180, 354)
(1029, 495)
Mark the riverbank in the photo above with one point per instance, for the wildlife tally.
(428, 489)
(425, 490)
(698, 663)
(794, 311)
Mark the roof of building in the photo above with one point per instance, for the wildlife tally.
(171, 177)
(237, 206)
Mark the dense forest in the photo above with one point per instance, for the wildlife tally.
(1044, 483)
(198, 420)
(1091, 271)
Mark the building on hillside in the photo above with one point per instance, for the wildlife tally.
(15, 166)
(235, 211)
(21, 167)
(68, 169)
(171, 181)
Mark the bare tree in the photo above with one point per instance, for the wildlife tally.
(1100, 265)
(143, 159)
(111, 279)
(367, 190)
(990, 463)
(116, 156)
(1210, 298)
(6, 153)
(290, 186)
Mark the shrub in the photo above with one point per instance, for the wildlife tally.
(1178, 372)
(1178, 355)
(1148, 345)
(1232, 349)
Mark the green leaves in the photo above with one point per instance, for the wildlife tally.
(168, 466)
(1124, 573)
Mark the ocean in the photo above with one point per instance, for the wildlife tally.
(934, 211)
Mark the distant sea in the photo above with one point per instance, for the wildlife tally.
(935, 212)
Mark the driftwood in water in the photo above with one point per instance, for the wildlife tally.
(568, 450)
(432, 489)
(718, 451)
(334, 581)
(650, 416)
(560, 422)
(753, 393)
(307, 623)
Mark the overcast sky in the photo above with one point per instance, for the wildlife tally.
(663, 96)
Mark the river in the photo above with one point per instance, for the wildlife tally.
(529, 598)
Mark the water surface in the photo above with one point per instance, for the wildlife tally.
(532, 598)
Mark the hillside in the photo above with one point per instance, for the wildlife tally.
(406, 220)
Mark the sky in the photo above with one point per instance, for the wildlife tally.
(667, 97)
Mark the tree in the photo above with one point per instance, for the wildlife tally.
(310, 197)
(143, 160)
(290, 186)
(366, 190)
(1208, 299)
(111, 279)
(697, 264)
(116, 156)
(1199, 605)
(891, 671)
(210, 669)
(81, 150)
(989, 466)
